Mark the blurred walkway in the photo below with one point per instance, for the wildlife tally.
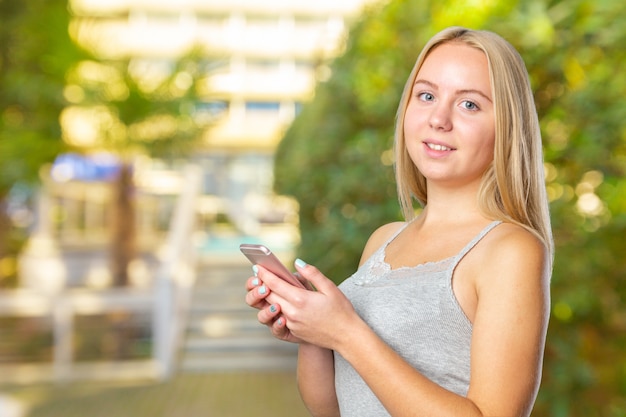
(11, 407)
(223, 332)
(228, 394)
(230, 366)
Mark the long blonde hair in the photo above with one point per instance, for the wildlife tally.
(513, 187)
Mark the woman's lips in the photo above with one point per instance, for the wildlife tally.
(438, 146)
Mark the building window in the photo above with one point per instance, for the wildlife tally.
(262, 107)
(210, 110)
(262, 65)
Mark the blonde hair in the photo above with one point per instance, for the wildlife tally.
(513, 186)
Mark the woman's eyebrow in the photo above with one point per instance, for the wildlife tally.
(472, 91)
(420, 81)
(458, 92)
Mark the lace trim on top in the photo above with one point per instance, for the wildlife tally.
(377, 269)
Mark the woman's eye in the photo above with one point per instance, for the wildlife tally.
(426, 96)
(469, 105)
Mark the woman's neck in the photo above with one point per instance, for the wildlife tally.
(457, 205)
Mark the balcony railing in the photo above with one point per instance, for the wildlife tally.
(54, 332)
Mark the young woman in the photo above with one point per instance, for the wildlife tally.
(448, 311)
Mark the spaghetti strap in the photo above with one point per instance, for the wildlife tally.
(476, 239)
(395, 234)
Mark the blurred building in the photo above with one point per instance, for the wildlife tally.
(265, 57)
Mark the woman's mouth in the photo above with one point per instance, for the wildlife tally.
(438, 147)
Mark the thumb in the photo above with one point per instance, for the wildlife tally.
(313, 275)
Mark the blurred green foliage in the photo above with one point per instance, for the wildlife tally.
(35, 52)
(335, 159)
(48, 79)
(135, 109)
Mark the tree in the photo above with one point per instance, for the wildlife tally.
(340, 145)
(132, 114)
(35, 52)
(582, 122)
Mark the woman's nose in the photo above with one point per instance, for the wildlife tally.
(440, 117)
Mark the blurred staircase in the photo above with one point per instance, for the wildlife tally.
(223, 333)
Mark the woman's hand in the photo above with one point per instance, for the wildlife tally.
(269, 314)
(317, 317)
(316, 372)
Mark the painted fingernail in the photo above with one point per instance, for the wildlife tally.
(255, 270)
(262, 289)
(279, 322)
(255, 282)
(300, 263)
(273, 308)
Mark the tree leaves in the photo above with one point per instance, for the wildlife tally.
(332, 157)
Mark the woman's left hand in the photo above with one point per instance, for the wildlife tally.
(318, 317)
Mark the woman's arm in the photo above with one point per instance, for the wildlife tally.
(316, 380)
(510, 323)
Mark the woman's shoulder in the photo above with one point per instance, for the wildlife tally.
(379, 237)
(510, 237)
(512, 247)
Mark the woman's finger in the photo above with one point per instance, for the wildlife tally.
(256, 297)
(268, 315)
(313, 275)
(281, 331)
(253, 281)
(278, 286)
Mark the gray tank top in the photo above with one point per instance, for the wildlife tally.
(414, 310)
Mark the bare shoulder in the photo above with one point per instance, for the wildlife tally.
(511, 250)
(378, 238)
(511, 240)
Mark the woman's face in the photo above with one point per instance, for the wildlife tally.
(449, 125)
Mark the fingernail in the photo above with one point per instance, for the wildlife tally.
(255, 282)
(300, 263)
(273, 308)
(262, 289)
(255, 269)
(279, 322)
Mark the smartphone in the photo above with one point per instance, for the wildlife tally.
(261, 255)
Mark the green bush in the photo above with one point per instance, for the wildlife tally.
(335, 160)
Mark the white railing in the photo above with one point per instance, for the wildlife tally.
(176, 276)
(62, 309)
(166, 303)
